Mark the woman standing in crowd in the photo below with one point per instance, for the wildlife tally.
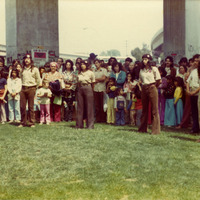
(70, 84)
(55, 82)
(14, 88)
(150, 78)
(85, 97)
(30, 81)
(118, 74)
(170, 116)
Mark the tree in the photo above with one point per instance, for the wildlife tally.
(138, 53)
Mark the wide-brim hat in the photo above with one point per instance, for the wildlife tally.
(93, 56)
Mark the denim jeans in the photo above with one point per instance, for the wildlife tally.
(14, 109)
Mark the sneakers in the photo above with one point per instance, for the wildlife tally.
(17, 121)
(2, 122)
(48, 123)
(11, 121)
(40, 123)
(32, 126)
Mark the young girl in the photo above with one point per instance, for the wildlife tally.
(135, 106)
(131, 107)
(110, 90)
(45, 94)
(14, 88)
(170, 116)
(3, 91)
(128, 87)
(178, 103)
(120, 107)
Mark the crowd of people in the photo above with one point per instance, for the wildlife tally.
(136, 93)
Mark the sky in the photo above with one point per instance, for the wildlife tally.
(87, 26)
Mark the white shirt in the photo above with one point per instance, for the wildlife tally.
(14, 86)
(100, 86)
(42, 91)
(193, 80)
(148, 76)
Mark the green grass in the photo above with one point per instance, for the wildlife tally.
(109, 162)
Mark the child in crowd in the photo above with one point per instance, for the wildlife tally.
(110, 90)
(131, 107)
(128, 87)
(138, 104)
(45, 94)
(14, 88)
(120, 107)
(135, 106)
(3, 91)
(178, 103)
(170, 116)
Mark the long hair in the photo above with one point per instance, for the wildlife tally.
(171, 60)
(115, 64)
(142, 66)
(14, 70)
(71, 63)
(24, 64)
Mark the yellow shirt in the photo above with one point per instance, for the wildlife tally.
(178, 94)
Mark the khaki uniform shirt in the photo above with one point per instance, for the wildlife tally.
(85, 78)
(100, 86)
(30, 77)
(148, 76)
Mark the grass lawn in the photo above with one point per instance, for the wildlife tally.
(109, 162)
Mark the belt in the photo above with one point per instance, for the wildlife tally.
(149, 85)
(84, 84)
(28, 87)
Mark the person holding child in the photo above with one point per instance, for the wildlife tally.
(70, 85)
(44, 93)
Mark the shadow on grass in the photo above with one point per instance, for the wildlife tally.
(184, 138)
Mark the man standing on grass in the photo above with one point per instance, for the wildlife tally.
(191, 86)
(99, 91)
(30, 81)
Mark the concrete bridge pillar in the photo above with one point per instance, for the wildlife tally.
(181, 28)
(31, 25)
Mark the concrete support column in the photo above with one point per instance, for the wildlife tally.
(31, 24)
(174, 28)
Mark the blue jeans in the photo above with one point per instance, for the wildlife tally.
(120, 117)
(14, 109)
